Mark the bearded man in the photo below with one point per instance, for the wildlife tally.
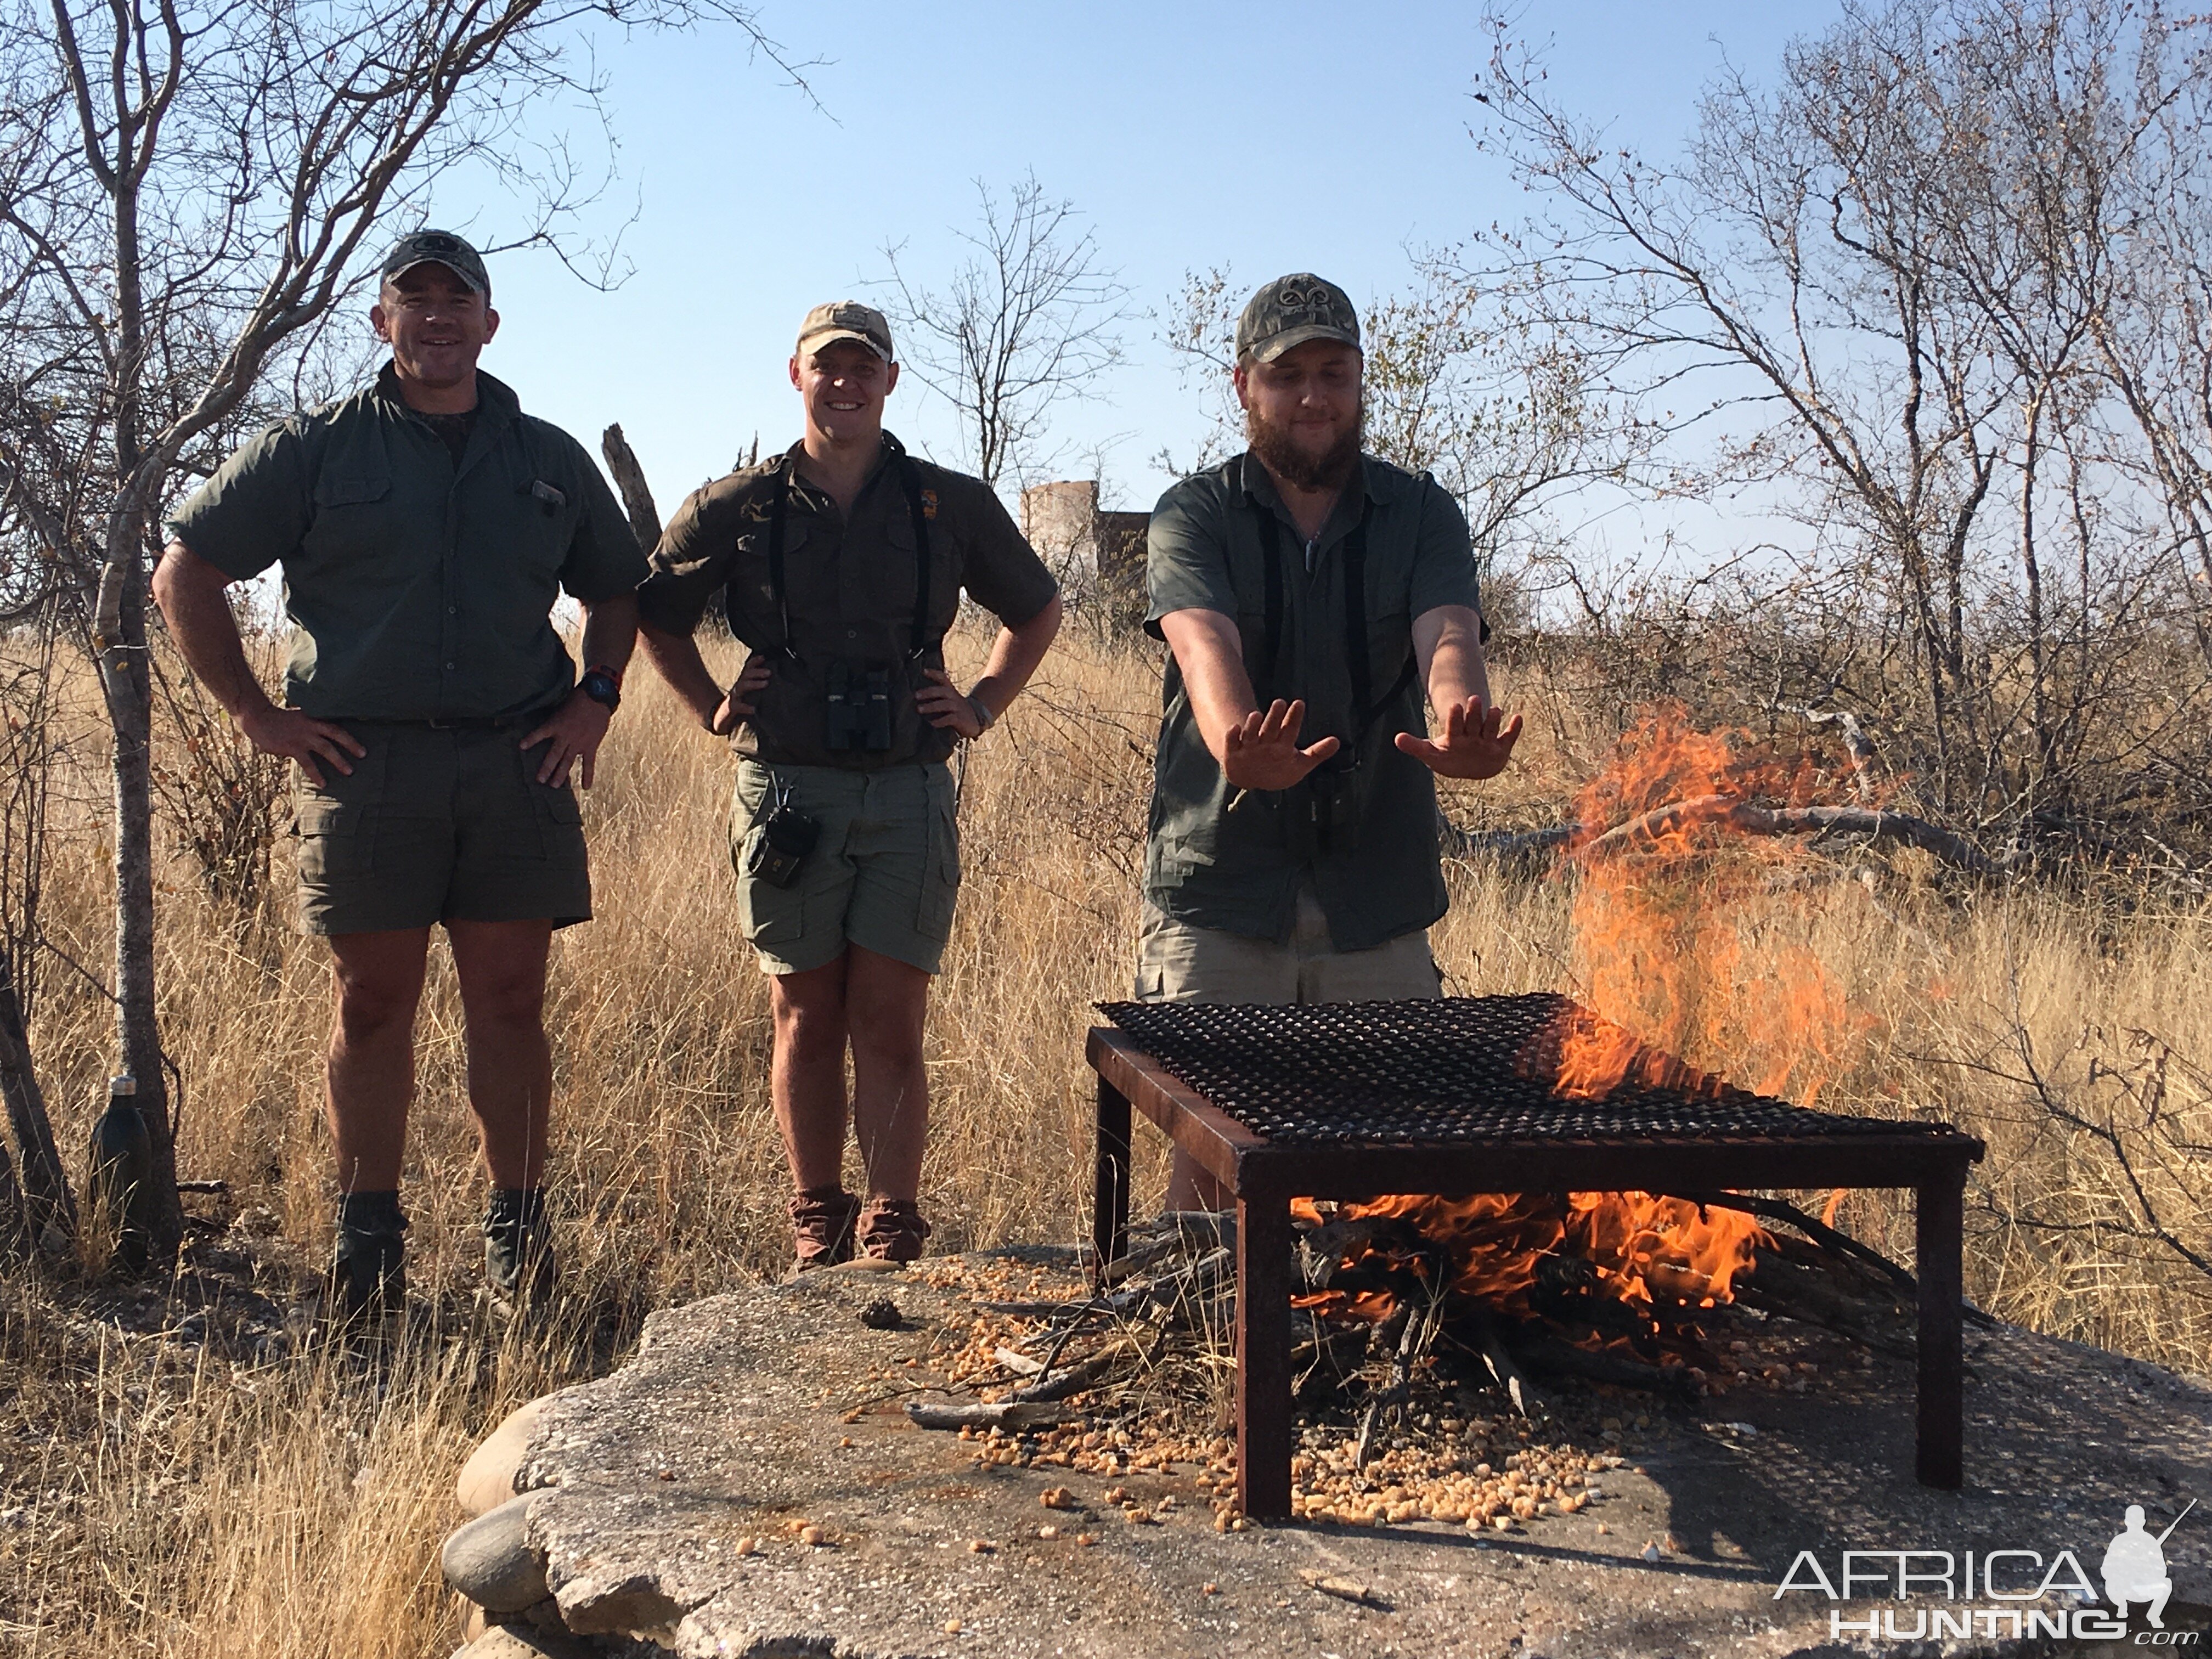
(1308, 592)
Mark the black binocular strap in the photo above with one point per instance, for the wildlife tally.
(1364, 707)
(910, 483)
(910, 477)
(780, 502)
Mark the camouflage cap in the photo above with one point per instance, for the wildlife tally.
(439, 247)
(1291, 310)
(845, 320)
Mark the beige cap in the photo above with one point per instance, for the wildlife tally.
(847, 320)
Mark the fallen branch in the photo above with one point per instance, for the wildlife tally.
(1749, 818)
(1074, 1380)
(1546, 1352)
(1876, 823)
(978, 1415)
(1776, 1209)
(1503, 1370)
(1344, 1590)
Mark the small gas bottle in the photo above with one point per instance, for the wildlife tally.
(121, 1187)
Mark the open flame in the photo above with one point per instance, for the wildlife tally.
(1692, 936)
(1643, 1250)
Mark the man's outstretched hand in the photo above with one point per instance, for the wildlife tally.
(1476, 742)
(1263, 749)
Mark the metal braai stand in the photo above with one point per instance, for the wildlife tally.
(1455, 1097)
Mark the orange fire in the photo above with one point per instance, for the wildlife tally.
(1646, 1250)
(1691, 935)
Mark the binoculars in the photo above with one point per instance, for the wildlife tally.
(859, 706)
(1333, 797)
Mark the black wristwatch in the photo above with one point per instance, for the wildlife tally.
(602, 685)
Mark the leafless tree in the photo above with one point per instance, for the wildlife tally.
(188, 189)
(1892, 287)
(1032, 317)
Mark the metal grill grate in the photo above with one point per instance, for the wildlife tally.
(1454, 1070)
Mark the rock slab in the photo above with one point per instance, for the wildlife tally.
(666, 1501)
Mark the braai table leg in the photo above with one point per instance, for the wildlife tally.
(1263, 1355)
(1109, 1219)
(1939, 1228)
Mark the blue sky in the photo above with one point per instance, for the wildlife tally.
(1267, 136)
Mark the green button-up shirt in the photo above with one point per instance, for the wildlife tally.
(417, 589)
(848, 592)
(1376, 876)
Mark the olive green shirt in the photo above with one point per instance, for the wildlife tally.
(1240, 871)
(418, 588)
(848, 592)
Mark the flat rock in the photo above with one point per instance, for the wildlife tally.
(735, 1420)
(490, 1561)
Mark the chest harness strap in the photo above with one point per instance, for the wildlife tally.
(922, 640)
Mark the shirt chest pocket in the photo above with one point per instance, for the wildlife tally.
(896, 580)
(543, 514)
(353, 515)
(749, 594)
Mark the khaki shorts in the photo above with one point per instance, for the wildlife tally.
(1178, 963)
(883, 874)
(438, 825)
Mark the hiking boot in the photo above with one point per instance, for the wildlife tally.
(519, 1266)
(892, 1229)
(822, 1220)
(368, 1274)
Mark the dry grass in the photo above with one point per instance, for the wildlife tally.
(165, 1505)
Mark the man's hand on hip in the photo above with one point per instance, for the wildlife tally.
(737, 702)
(572, 737)
(288, 733)
(1476, 742)
(1263, 748)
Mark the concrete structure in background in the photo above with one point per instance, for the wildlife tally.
(1089, 550)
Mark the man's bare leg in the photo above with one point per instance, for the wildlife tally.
(807, 1072)
(376, 980)
(886, 1001)
(501, 969)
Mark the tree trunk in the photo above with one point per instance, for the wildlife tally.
(44, 1185)
(14, 1226)
(121, 639)
(629, 478)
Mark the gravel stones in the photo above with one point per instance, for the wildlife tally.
(491, 1562)
(509, 1642)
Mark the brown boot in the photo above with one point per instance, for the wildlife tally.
(892, 1229)
(822, 1220)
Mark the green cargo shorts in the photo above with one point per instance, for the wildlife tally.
(438, 825)
(883, 875)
